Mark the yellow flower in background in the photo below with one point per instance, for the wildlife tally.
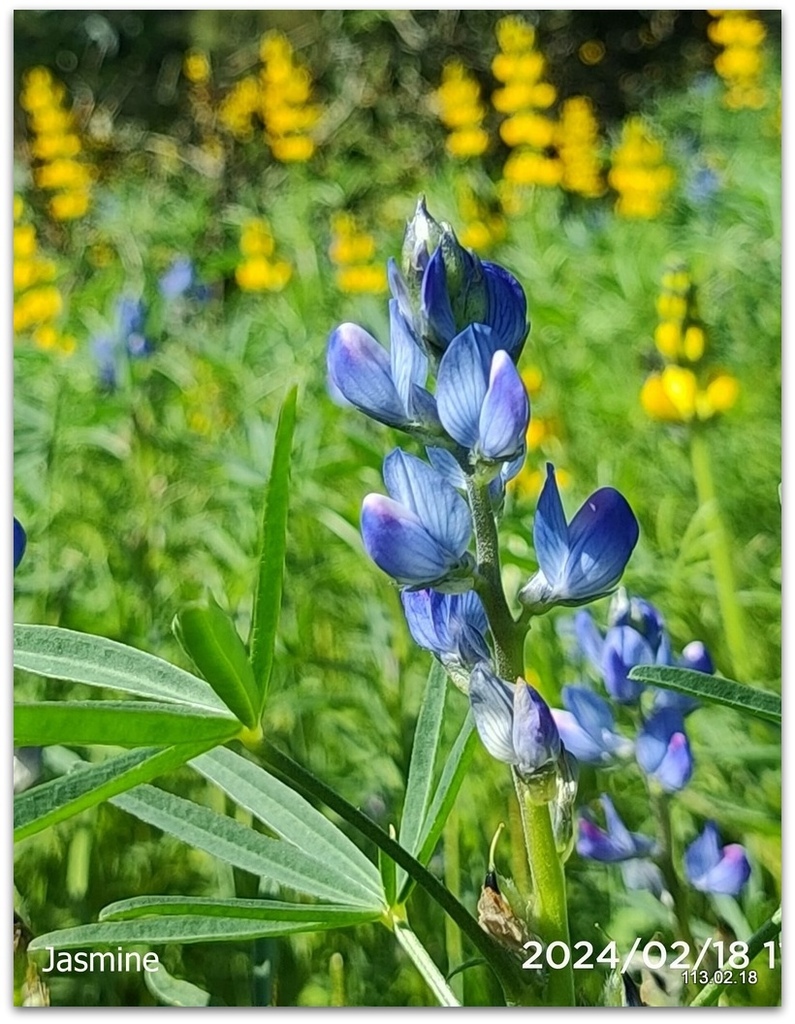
(257, 271)
(523, 97)
(38, 303)
(638, 173)
(196, 67)
(285, 100)
(459, 108)
(741, 61)
(674, 395)
(237, 109)
(578, 148)
(543, 442)
(352, 251)
(55, 145)
(481, 226)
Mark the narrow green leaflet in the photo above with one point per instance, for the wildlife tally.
(257, 910)
(759, 703)
(116, 723)
(153, 931)
(421, 959)
(453, 774)
(83, 658)
(427, 737)
(290, 816)
(54, 801)
(209, 638)
(171, 991)
(268, 594)
(242, 847)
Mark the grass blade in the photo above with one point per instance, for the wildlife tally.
(713, 689)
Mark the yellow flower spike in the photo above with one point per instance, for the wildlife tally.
(681, 387)
(196, 67)
(256, 238)
(694, 343)
(466, 143)
(667, 337)
(45, 337)
(292, 148)
(24, 241)
(514, 35)
(532, 378)
(723, 392)
(656, 402)
(536, 432)
(69, 205)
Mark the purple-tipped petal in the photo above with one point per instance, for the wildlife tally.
(623, 649)
(663, 751)
(505, 411)
(616, 843)
(712, 869)
(697, 658)
(506, 308)
(439, 507)
(398, 543)
(360, 368)
(536, 740)
(492, 708)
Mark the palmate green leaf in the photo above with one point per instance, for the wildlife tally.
(289, 815)
(419, 785)
(83, 658)
(116, 723)
(244, 848)
(156, 931)
(171, 991)
(749, 699)
(210, 640)
(268, 593)
(256, 910)
(59, 799)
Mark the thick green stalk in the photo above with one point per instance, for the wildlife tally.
(551, 919)
(546, 867)
(720, 553)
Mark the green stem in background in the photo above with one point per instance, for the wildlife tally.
(720, 553)
(452, 877)
(710, 995)
(550, 910)
(546, 867)
(661, 807)
(419, 956)
(514, 982)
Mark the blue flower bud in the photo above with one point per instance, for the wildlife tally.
(388, 388)
(640, 614)
(614, 844)
(481, 399)
(663, 750)
(20, 542)
(178, 279)
(514, 723)
(587, 727)
(711, 868)
(583, 560)
(452, 626)
(420, 534)
(623, 649)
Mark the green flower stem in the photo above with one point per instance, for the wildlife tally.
(508, 637)
(515, 983)
(546, 869)
(720, 552)
(661, 806)
(710, 994)
(550, 911)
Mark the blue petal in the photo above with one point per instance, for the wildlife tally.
(418, 607)
(461, 387)
(697, 658)
(550, 533)
(436, 301)
(703, 854)
(439, 507)
(399, 544)
(492, 708)
(676, 768)
(589, 638)
(536, 740)
(409, 365)
(507, 308)
(577, 740)
(399, 288)
(505, 411)
(602, 536)
(731, 873)
(360, 368)
(20, 542)
(623, 648)
(445, 463)
(662, 749)
(639, 873)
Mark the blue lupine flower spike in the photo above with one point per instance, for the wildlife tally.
(514, 723)
(452, 626)
(712, 868)
(616, 842)
(582, 560)
(20, 542)
(419, 535)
